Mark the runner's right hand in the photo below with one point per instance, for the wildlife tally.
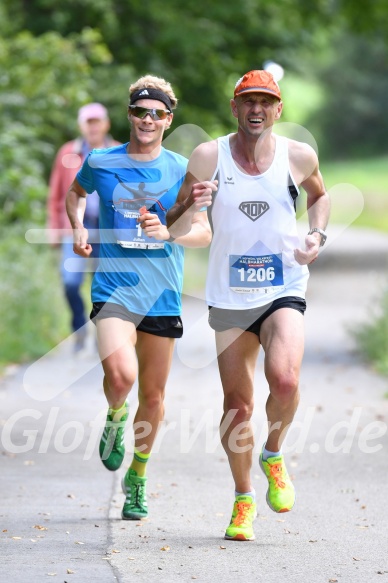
(80, 242)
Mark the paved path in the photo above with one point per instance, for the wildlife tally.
(60, 510)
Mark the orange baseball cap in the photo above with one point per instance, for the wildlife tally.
(257, 82)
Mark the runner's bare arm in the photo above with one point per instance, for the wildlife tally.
(200, 234)
(305, 168)
(196, 191)
(75, 207)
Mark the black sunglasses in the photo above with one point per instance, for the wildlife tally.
(141, 112)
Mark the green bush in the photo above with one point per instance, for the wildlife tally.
(33, 313)
(372, 338)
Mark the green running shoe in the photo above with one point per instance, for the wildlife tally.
(281, 492)
(112, 449)
(244, 513)
(135, 505)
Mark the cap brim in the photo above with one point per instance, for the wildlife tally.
(257, 90)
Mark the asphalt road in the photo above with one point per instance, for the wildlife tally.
(60, 509)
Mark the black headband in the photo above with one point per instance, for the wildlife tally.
(150, 93)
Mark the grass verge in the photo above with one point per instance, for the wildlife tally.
(372, 338)
(33, 315)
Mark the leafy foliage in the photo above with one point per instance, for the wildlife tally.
(32, 319)
(352, 121)
(201, 48)
(372, 338)
(43, 81)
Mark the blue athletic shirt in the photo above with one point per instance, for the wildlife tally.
(135, 271)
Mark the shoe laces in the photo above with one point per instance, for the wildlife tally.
(115, 437)
(276, 472)
(243, 509)
(137, 494)
(119, 435)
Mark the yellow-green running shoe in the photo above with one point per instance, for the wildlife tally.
(244, 513)
(281, 492)
(112, 449)
(134, 488)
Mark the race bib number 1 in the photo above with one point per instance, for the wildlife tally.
(256, 273)
(129, 233)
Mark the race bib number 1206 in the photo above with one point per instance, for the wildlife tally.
(256, 274)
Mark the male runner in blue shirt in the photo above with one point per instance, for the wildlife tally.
(136, 289)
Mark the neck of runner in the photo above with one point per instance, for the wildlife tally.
(255, 155)
(142, 152)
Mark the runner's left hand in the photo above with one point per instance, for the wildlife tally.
(152, 227)
(308, 256)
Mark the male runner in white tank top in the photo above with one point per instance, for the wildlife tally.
(257, 277)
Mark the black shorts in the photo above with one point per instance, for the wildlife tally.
(251, 320)
(165, 326)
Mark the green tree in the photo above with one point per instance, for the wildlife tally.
(201, 47)
(352, 121)
(43, 81)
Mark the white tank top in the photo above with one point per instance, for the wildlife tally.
(251, 260)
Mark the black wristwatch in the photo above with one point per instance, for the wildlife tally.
(321, 232)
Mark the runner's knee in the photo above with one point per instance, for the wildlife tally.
(120, 382)
(284, 387)
(152, 401)
(243, 408)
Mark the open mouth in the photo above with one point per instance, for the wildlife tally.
(256, 120)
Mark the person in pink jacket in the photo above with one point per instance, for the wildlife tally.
(94, 125)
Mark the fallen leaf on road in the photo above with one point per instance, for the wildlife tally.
(333, 580)
(70, 572)
(5, 530)
(29, 463)
(71, 496)
(313, 541)
(51, 574)
(221, 547)
(166, 548)
(16, 537)
(131, 558)
(39, 527)
(355, 559)
(77, 542)
(115, 551)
